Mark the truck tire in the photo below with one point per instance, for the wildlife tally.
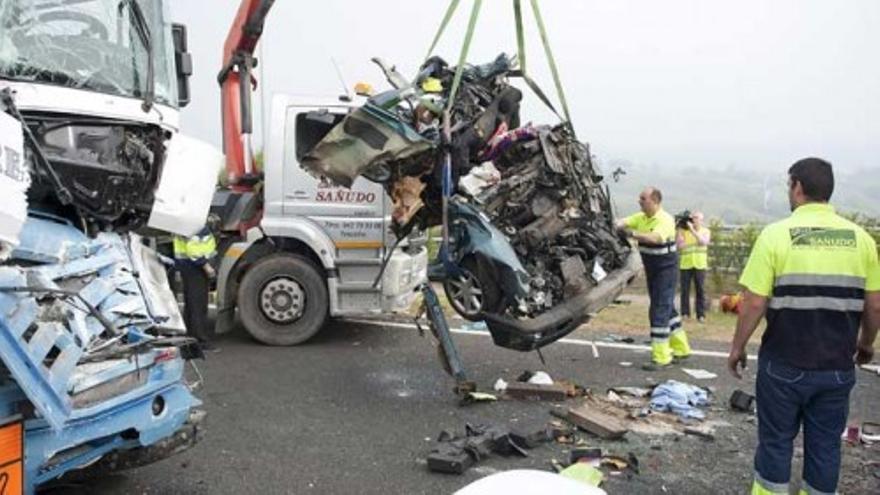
(282, 300)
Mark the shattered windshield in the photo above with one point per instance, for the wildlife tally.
(86, 44)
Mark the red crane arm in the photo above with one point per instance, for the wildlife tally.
(236, 80)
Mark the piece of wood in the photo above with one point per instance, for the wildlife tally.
(530, 391)
(597, 422)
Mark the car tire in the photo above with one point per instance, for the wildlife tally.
(302, 289)
(490, 297)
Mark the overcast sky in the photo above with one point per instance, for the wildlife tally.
(754, 83)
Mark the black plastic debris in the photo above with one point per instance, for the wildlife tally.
(579, 453)
(455, 455)
(532, 440)
(743, 402)
(449, 459)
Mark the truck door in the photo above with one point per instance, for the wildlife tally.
(353, 218)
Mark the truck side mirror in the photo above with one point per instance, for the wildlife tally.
(182, 62)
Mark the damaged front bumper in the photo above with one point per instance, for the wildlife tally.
(186, 437)
(527, 334)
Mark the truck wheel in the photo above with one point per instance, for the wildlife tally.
(283, 300)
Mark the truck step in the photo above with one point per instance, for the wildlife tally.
(358, 262)
(358, 287)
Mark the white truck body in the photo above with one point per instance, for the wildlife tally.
(347, 230)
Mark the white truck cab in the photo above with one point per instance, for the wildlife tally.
(319, 249)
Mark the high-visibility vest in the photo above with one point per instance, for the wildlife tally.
(199, 248)
(815, 267)
(661, 223)
(692, 254)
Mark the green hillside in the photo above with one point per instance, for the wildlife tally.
(733, 194)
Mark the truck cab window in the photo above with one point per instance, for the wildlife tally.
(311, 127)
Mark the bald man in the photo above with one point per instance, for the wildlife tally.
(654, 231)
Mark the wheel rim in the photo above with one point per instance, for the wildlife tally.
(282, 300)
(466, 293)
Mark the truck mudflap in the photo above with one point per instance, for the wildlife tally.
(533, 333)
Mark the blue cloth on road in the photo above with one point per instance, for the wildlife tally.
(679, 398)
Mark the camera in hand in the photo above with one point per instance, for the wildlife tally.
(683, 219)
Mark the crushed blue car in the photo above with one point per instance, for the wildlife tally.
(531, 247)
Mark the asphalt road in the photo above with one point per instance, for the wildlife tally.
(357, 409)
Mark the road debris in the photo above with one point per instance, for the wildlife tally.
(449, 459)
(617, 465)
(540, 378)
(529, 391)
(632, 391)
(618, 338)
(703, 433)
(455, 455)
(680, 398)
(584, 473)
(870, 432)
(532, 440)
(590, 455)
(500, 385)
(597, 422)
(625, 364)
(742, 402)
(699, 374)
(474, 397)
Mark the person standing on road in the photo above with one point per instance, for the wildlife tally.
(192, 256)
(693, 247)
(654, 230)
(816, 277)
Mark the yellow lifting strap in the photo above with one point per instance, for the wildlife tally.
(521, 55)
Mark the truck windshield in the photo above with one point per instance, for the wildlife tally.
(87, 44)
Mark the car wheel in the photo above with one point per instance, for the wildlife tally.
(471, 292)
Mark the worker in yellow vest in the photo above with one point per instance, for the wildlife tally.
(816, 277)
(192, 257)
(654, 231)
(693, 249)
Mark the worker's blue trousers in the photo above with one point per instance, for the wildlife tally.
(787, 398)
(661, 272)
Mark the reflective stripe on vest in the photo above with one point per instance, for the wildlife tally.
(657, 249)
(806, 291)
(195, 248)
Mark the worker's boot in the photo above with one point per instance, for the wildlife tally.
(678, 341)
(661, 354)
(652, 366)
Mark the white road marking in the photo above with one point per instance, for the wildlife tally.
(570, 341)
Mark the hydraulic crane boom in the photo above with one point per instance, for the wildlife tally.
(237, 81)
